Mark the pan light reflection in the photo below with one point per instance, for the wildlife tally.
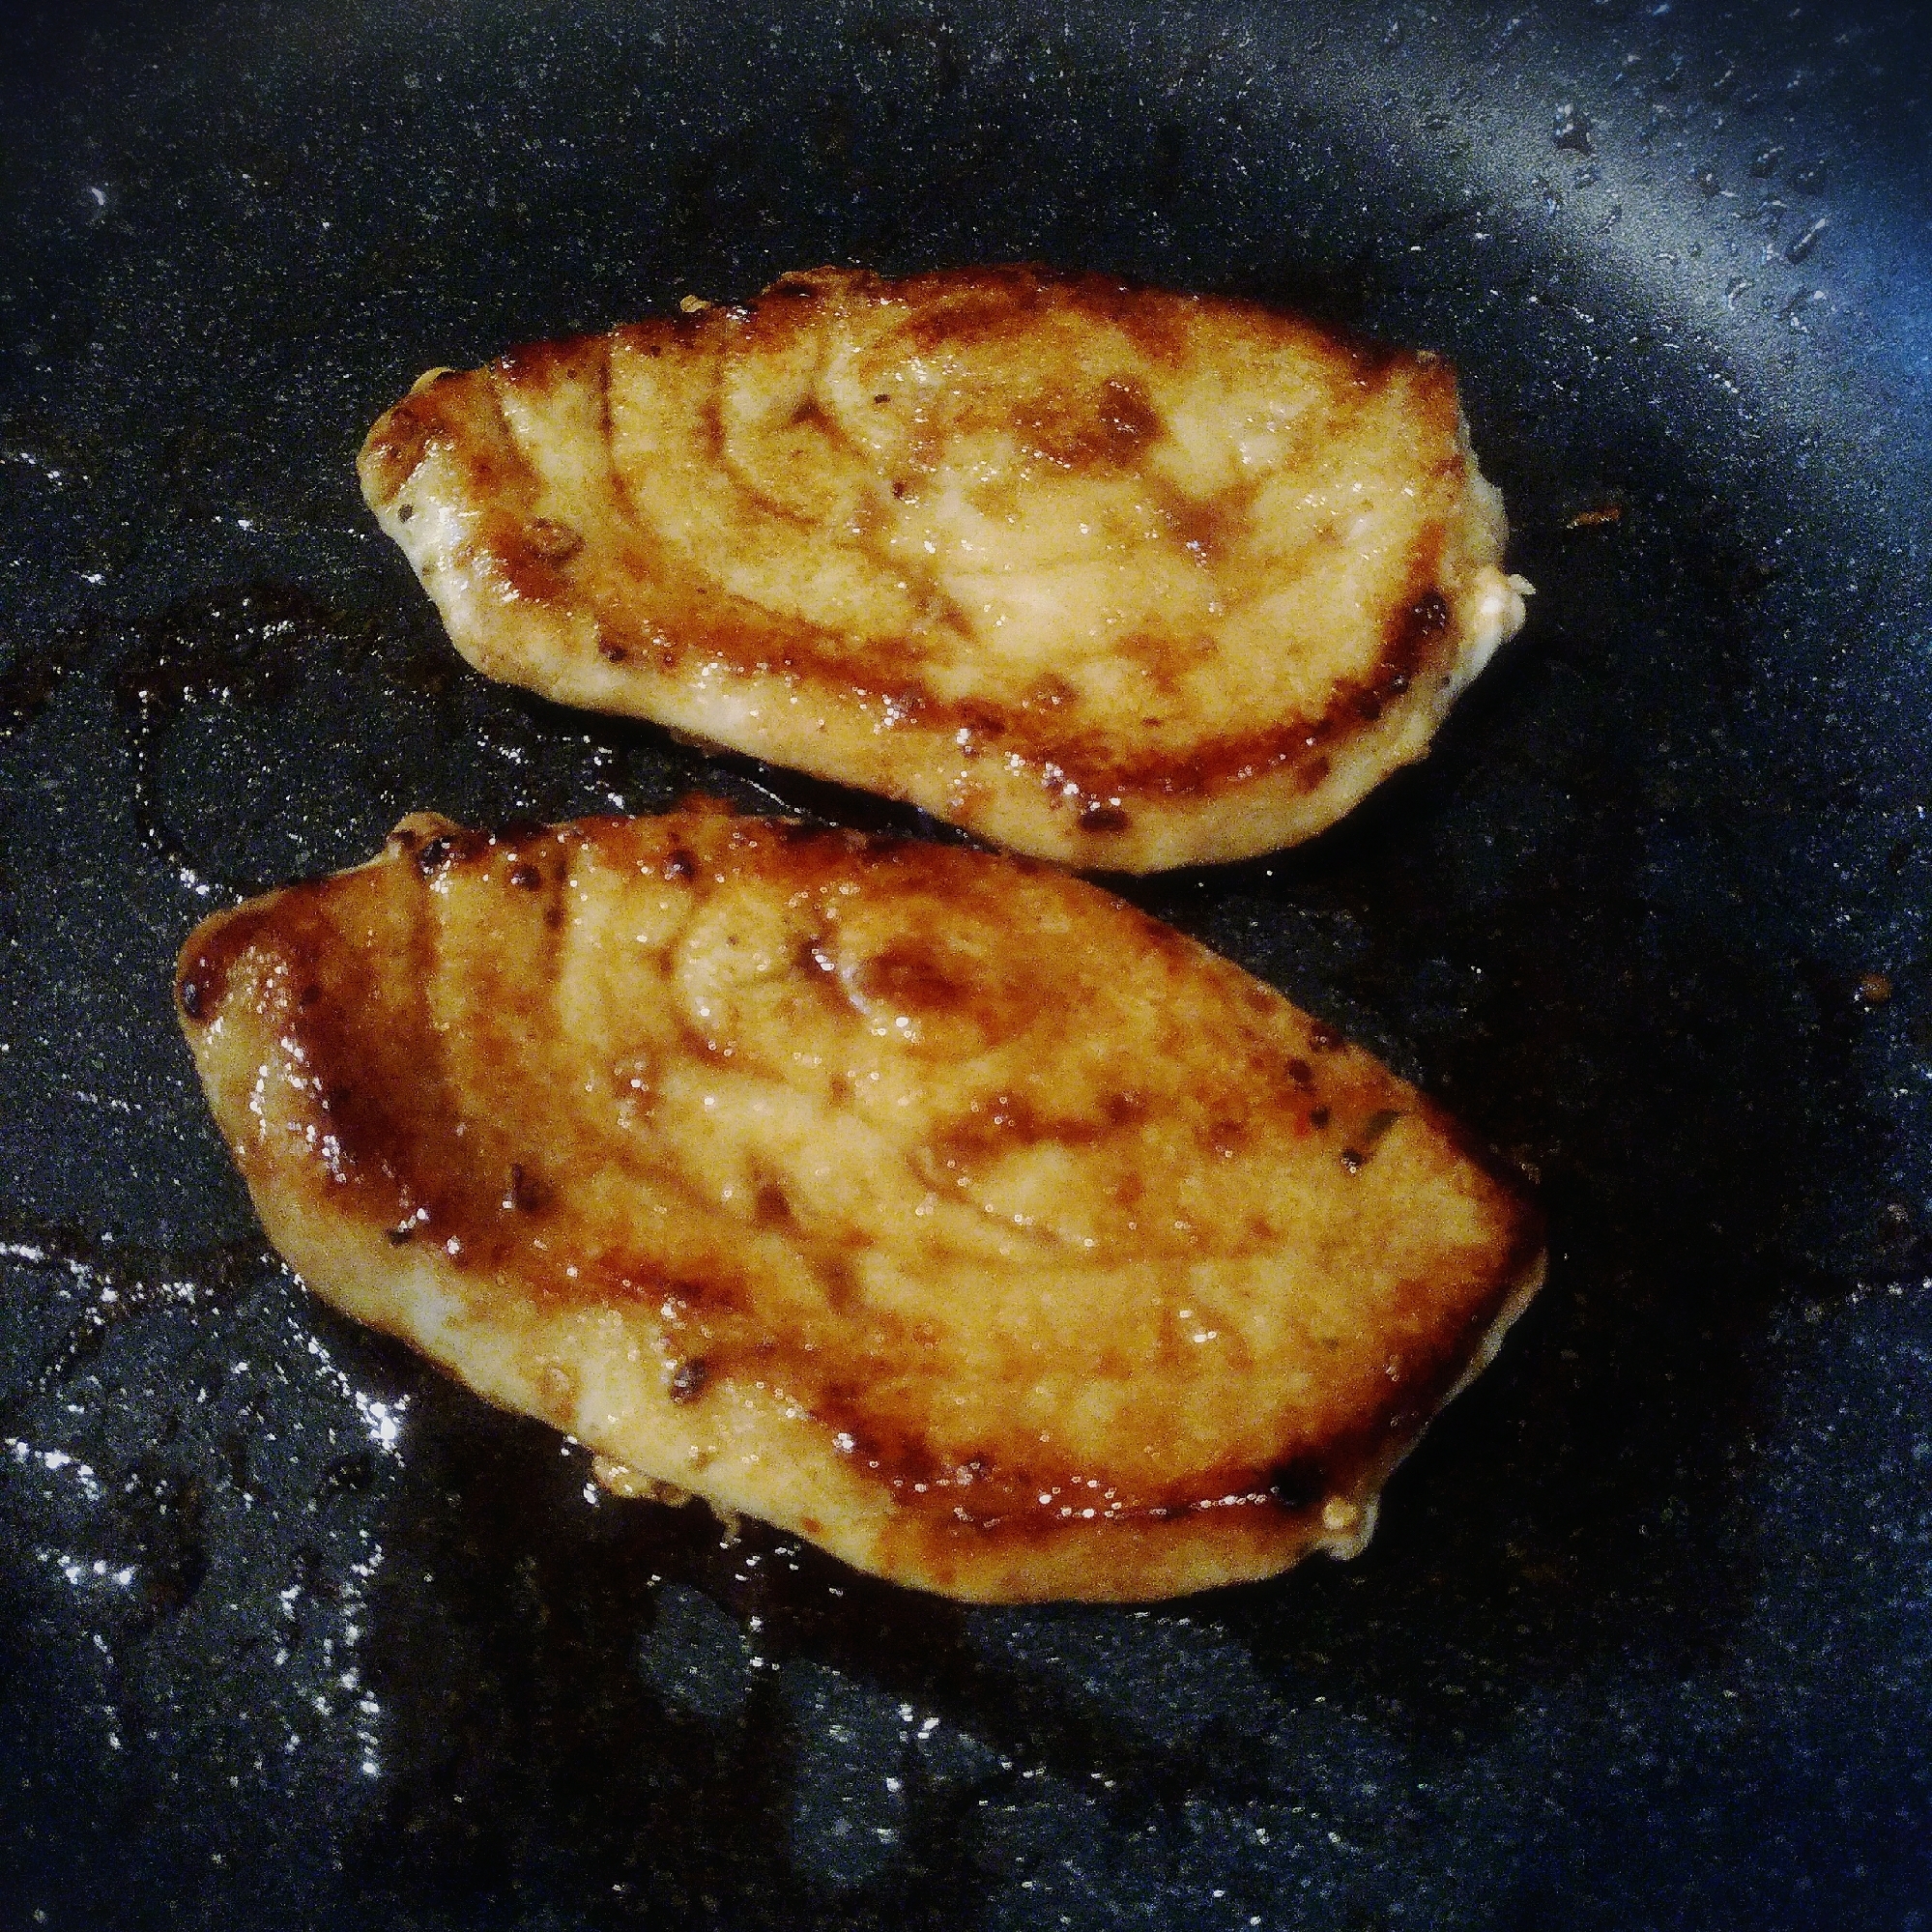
(1700, 226)
(369, 1710)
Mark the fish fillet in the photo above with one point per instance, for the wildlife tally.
(1116, 577)
(931, 1205)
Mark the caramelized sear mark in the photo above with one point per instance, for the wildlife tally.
(1204, 572)
(973, 1222)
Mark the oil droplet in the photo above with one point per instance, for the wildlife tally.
(1570, 129)
(1808, 240)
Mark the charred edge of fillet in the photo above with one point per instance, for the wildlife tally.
(1103, 790)
(1297, 1480)
(218, 944)
(1152, 316)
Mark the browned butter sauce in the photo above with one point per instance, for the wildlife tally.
(935, 1205)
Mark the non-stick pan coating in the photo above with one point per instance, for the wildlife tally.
(293, 1634)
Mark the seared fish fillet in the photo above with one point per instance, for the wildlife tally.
(934, 1205)
(1114, 577)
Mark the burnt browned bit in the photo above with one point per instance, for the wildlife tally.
(190, 996)
(524, 1194)
(553, 542)
(1598, 517)
(1098, 818)
(1873, 989)
(1425, 621)
(688, 1379)
(436, 855)
(813, 957)
(1352, 1161)
(1297, 1484)
(527, 876)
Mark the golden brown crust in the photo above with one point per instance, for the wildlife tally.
(1114, 576)
(936, 1206)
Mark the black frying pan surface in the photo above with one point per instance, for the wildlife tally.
(293, 1634)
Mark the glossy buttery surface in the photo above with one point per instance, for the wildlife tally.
(1120, 578)
(934, 1205)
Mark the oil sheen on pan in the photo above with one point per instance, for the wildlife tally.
(1116, 577)
(931, 1205)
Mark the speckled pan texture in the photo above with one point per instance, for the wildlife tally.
(294, 1633)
